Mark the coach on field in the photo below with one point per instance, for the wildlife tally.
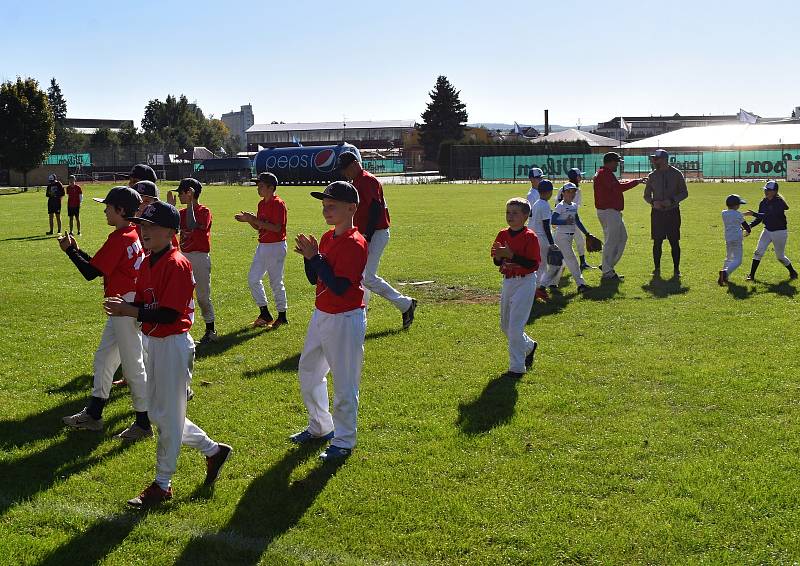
(665, 189)
(609, 202)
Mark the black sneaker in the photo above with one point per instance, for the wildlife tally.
(209, 337)
(408, 316)
(531, 354)
(214, 463)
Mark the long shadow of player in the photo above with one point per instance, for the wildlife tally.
(662, 288)
(227, 341)
(784, 288)
(556, 303)
(604, 291)
(740, 291)
(270, 507)
(494, 406)
(28, 238)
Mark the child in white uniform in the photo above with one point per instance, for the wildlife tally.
(735, 229)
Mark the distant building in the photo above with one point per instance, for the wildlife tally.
(239, 122)
(647, 126)
(384, 134)
(91, 125)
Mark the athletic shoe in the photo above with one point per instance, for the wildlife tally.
(793, 274)
(749, 277)
(134, 433)
(531, 354)
(70, 232)
(541, 294)
(79, 232)
(189, 393)
(514, 374)
(120, 382)
(151, 497)
(335, 454)
(305, 437)
(582, 288)
(49, 233)
(676, 274)
(262, 322)
(408, 316)
(209, 337)
(84, 421)
(613, 277)
(723, 278)
(656, 273)
(585, 266)
(553, 287)
(280, 321)
(214, 463)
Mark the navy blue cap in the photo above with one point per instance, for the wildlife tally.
(612, 156)
(574, 173)
(771, 186)
(660, 153)
(545, 186)
(143, 173)
(124, 197)
(266, 177)
(338, 190)
(535, 173)
(146, 189)
(734, 199)
(159, 213)
(346, 158)
(190, 183)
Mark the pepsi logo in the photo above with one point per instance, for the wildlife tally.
(325, 160)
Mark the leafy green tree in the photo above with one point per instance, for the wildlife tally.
(26, 125)
(103, 138)
(129, 135)
(444, 118)
(213, 135)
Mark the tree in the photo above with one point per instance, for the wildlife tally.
(103, 138)
(129, 135)
(58, 104)
(213, 134)
(26, 125)
(443, 119)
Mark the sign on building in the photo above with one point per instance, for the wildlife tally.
(793, 170)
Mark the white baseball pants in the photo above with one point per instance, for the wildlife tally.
(201, 268)
(335, 343)
(373, 282)
(169, 367)
(270, 259)
(778, 240)
(545, 272)
(564, 242)
(616, 236)
(733, 257)
(516, 300)
(121, 342)
(580, 243)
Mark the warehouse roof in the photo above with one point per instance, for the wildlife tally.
(308, 126)
(573, 135)
(724, 136)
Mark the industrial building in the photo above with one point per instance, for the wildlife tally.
(239, 122)
(384, 134)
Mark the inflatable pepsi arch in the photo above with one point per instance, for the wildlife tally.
(312, 165)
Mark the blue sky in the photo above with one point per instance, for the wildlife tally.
(318, 61)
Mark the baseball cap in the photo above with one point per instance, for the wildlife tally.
(575, 173)
(569, 187)
(266, 177)
(146, 189)
(545, 186)
(143, 173)
(159, 213)
(346, 158)
(660, 153)
(612, 156)
(734, 199)
(124, 197)
(190, 183)
(338, 190)
(771, 186)
(51, 177)
(535, 173)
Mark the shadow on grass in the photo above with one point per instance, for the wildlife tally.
(603, 292)
(228, 341)
(270, 506)
(556, 303)
(784, 289)
(494, 406)
(78, 384)
(740, 291)
(662, 288)
(29, 238)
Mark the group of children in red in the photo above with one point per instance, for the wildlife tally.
(150, 279)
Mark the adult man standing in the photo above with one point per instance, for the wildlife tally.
(54, 193)
(609, 202)
(664, 191)
(372, 220)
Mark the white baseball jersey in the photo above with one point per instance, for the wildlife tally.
(533, 196)
(539, 213)
(565, 212)
(576, 200)
(732, 221)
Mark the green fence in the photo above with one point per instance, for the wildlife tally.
(70, 159)
(727, 164)
(384, 165)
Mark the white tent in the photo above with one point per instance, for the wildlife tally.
(724, 136)
(573, 135)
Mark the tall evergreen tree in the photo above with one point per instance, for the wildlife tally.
(58, 104)
(26, 125)
(443, 119)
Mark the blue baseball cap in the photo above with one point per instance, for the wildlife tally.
(734, 200)
(660, 153)
(545, 186)
(575, 173)
(159, 213)
(771, 186)
(535, 173)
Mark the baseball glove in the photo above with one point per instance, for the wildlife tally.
(593, 244)
(555, 257)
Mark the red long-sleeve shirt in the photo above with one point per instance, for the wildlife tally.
(608, 190)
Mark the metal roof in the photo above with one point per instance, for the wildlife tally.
(573, 135)
(724, 136)
(350, 125)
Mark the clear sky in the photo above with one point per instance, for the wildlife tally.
(303, 60)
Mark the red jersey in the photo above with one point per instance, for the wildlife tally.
(74, 193)
(525, 244)
(198, 239)
(272, 210)
(369, 190)
(347, 256)
(169, 283)
(119, 260)
(608, 190)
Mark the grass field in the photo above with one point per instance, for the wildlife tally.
(658, 425)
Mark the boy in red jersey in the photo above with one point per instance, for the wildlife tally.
(270, 256)
(118, 262)
(516, 251)
(164, 305)
(335, 337)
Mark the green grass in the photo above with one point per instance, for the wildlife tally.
(659, 424)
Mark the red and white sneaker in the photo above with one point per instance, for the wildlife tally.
(151, 497)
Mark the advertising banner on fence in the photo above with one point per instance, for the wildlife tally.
(793, 170)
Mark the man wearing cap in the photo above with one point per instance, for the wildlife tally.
(54, 193)
(535, 175)
(664, 191)
(372, 220)
(141, 172)
(609, 202)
